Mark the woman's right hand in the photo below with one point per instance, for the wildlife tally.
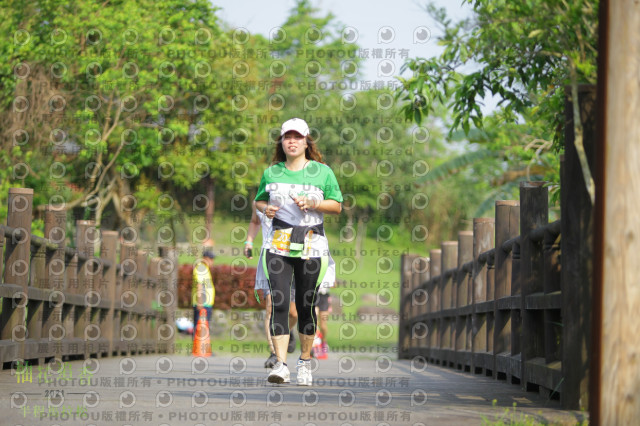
(248, 250)
(270, 211)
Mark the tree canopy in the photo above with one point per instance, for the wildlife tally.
(524, 54)
(115, 110)
(133, 118)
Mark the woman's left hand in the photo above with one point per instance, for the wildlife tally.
(305, 203)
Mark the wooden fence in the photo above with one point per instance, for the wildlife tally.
(511, 299)
(61, 302)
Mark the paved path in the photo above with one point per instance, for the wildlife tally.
(181, 390)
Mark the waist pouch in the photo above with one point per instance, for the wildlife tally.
(298, 232)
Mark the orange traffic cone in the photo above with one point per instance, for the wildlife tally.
(201, 342)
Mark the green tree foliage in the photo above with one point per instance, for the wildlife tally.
(305, 70)
(131, 117)
(525, 54)
(300, 68)
(106, 108)
(314, 75)
(495, 159)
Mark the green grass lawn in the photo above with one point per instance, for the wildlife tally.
(355, 338)
(226, 346)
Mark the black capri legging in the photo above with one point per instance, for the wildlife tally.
(279, 270)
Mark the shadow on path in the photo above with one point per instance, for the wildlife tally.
(169, 390)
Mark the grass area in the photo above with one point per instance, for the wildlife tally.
(375, 270)
(356, 338)
(513, 417)
(246, 348)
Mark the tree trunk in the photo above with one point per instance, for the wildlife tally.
(104, 202)
(208, 217)
(361, 235)
(120, 190)
(617, 221)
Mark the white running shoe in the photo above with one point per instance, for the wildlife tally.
(304, 373)
(279, 374)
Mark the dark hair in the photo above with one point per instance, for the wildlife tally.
(310, 153)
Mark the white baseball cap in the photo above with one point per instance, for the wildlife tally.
(295, 125)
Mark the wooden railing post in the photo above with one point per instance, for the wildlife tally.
(409, 279)
(516, 291)
(71, 311)
(577, 224)
(153, 319)
(483, 240)
(417, 301)
(16, 272)
(552, 317)
(35, 307)
(117, 300)
(129, 298)
(434, 304)
(463, 317)
(507, 308)
(507, 227)
(55, 219)
(108, 254)
(491, 319)
(405, 308)
(168, 297)
(449, 261)
(143, 301)
(413, 283)
(534, 212)
(465, 254)
(420, 299)
(86, 237)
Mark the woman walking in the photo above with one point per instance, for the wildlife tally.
(258, 221)
(296, 192)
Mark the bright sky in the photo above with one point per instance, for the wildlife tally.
(386, 25)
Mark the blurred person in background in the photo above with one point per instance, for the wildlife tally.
(323, 309)
(203, 292)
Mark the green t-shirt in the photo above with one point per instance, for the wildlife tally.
(277, 186)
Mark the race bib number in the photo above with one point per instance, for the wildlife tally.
(281, 239)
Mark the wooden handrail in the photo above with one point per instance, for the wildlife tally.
(486, 308)
(88, 314)
(552, 229)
